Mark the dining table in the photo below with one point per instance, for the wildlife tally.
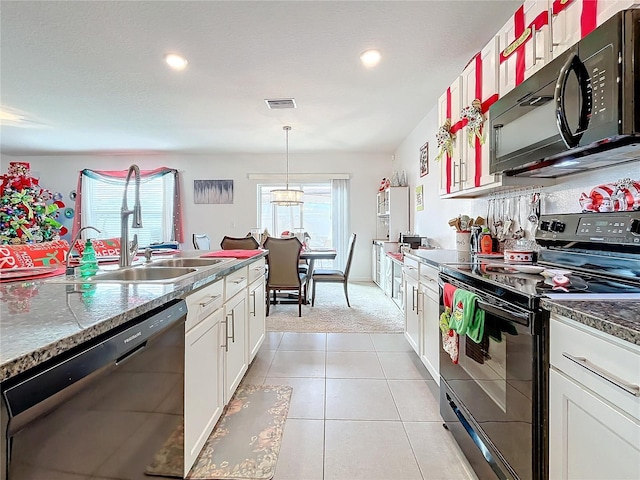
(311, 255)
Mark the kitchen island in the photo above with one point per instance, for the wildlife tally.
(43, 318)
(104, 353)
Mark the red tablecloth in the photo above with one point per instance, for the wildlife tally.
(233, 253)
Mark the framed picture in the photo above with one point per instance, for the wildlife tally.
(424, 159)
(213, 191)
(419, 198)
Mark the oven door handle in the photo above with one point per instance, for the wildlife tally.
(517, 317)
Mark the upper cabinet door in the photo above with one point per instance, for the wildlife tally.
(574, 19)
(449, 106)
(479, 81)
(524, 44)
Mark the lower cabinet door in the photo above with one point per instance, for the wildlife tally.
(235, 364)
(412, 313)
(431, 331)
(256, 318)
(203, 389)
(589, 438)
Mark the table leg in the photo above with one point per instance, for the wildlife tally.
(309, 280)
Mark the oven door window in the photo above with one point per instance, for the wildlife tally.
(494, 379)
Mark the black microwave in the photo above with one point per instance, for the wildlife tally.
(577, 112)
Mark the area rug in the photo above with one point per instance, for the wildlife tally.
(371, 312)
(243, 446)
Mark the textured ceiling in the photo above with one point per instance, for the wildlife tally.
(89, 76)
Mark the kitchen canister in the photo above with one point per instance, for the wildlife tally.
(462, 240)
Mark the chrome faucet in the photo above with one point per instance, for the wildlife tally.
(70, 270)
(127, 252)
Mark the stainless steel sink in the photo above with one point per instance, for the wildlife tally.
(138, 274)
(189, 262)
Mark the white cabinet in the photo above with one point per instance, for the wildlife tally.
(376, 263)
(235, 359)
(430, 312)
(479, 81)
(203, 387)
(411, 295)
(452, 168)
(528, 26)
(566, 24)
(594, 404)
(256, 319)
(392, 213)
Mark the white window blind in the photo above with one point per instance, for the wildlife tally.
(102, 202)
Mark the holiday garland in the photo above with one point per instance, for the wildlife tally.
(27, 214)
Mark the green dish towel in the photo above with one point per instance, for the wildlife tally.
(466, 318)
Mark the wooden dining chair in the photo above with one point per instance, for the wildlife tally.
(239, 243)
(282, 269)
(334, 276)
(201, 241)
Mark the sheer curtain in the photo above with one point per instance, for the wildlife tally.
(99, 196)
(340, 219)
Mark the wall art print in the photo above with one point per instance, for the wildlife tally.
(419, 198)
(213, 191)
(424, 159)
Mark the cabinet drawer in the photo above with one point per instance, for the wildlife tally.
(429, 277)
(410, 267)
(256, 270)
(202, 303)
(601, 362)
(235, 282)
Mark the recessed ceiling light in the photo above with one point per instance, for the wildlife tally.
(370, 58)
(175, 61)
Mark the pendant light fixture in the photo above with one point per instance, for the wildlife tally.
(287, 197)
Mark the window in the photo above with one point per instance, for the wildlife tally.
(313, 216)
(101, 202)
(324, 215)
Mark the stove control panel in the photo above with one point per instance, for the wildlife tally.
(613, 227)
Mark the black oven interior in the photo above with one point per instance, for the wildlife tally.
(493, 398)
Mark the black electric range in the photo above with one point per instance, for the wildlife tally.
(600, 253)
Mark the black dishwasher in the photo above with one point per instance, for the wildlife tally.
(102, 410)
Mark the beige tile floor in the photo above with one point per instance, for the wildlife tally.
(363, 407)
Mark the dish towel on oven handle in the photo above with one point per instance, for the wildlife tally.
(466, 317)
(449, 337)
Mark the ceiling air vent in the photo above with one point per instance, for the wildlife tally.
(280, 103)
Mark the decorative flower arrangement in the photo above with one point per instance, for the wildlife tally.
(444, 140)
(27, 213)
(475, 121)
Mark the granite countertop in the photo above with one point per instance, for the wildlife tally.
(620, 318)
(40, 319)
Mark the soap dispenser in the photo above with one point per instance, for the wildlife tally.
(88, 261)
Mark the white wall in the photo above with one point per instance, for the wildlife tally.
(432, 221)
(60, 174)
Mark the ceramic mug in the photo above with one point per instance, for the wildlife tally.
(462, 240)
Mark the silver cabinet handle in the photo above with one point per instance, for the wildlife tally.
(413, 298)
(226, 336)
(630, 388)
(210, 301)
(418, 301)
(253, 294)
(550, 16)
(453, 168)
(233, 326)
(534, 44)
(462, 180)
(240, 280)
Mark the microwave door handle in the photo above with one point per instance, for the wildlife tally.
(573, 63)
